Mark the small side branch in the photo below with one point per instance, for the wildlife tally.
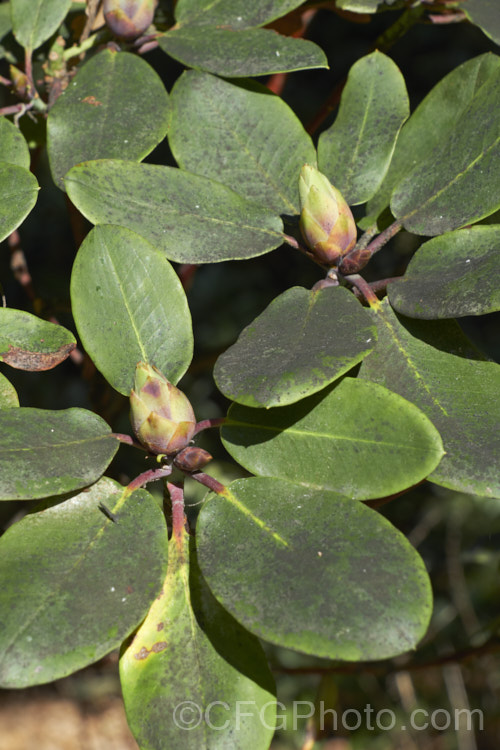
(364, 287)
(209, 482)
(207, 423)
(148, 476)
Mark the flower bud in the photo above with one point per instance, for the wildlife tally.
(129, 19)
(326, 221)
(161, 415)
(192, 458)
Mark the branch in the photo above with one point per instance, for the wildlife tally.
(176, 492)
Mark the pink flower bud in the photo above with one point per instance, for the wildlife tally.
(326, 221)
(161, 415)
(129, 19)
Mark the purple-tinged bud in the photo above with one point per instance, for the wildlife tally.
(192, 458)
(161, 415)
(326, 221)
(129, 19)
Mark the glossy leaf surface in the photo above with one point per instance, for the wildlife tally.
(45, 453)
(431, 124)
(13, 146)
(30, 343)
(451, 276)
(188, 666)
(98, 117)
(18, 193)
(191, 218)
(458, 182)
(129, 307)
(355, 152)
(69, 593)
(234, 14)
(299, 344)
(313, 571)
(361, 442)
(237, 54)
(459, 395)
(250, 140)
(34, 21)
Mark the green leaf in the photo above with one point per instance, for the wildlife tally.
(484, 13)
(129, 306)
(45, 453)
(458, 183)
(362, 442)
(5, 19)
(191, 218)
(314, 571)
(432, 124)
(249, 139)
(8, 395)
(100, 117)
(234, 14)
(299, 344)
(459, 395)
(251, 52)
(69, 593)
(13, 146)
(30, 343)
(18, 193)
(355, 152)
(451, 276)
(190, 664)
(34, 21)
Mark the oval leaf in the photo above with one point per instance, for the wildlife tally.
(355, 152)
(13, 146)
(8, 395)
(191, 218)
(189, 647)
(237, 54)
(29, 343)
(69, 594)
(362, 442)
(451, 276)
(18, 193)
(314, 571)
(34, 21)
(98, 117)
(45, 453)
(431, 125)
(129, 306)
(250, 140)
(295, 347)
(234, 14)
(459, 395)
(458, 182)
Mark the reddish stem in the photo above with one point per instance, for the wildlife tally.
(383, 238)
(364, 287)
(209, 482)
(176, 492)
(207, 423)
(128, 440)
(148, 476)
